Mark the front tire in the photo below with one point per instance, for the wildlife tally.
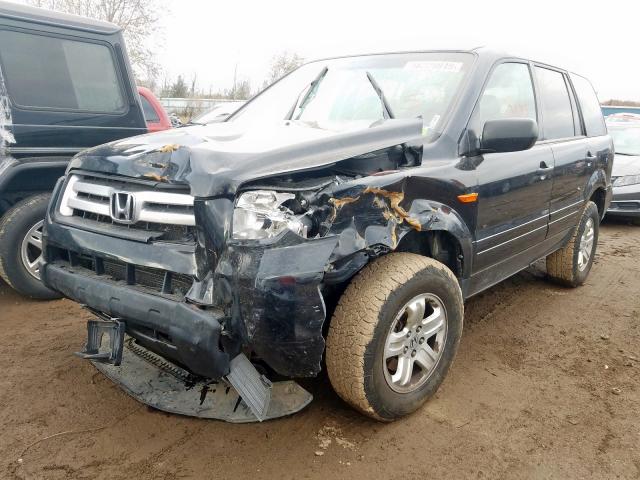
(21, 247)
(571, 265)
(394, 335)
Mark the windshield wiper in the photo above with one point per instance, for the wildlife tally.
(313, 88)
(385, 105)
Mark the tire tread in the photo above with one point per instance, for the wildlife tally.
(356, 317)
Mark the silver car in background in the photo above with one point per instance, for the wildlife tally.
(625, 131)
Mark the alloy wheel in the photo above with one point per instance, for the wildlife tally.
(415, 343)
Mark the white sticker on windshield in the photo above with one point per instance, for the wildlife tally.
(434, 66)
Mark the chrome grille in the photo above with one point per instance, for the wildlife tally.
(92, 196)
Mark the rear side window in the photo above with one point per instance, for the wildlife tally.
(557, 114)
(508, 94)
(150, 114)
(590, 106)
(46, 72)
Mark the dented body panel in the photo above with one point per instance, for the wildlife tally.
(355, 194)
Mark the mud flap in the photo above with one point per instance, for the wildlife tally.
(152, 380)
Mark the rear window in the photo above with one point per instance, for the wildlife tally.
(590, 106)
(150, 114)
(557, 115)
(45, 72)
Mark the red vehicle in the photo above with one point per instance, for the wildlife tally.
(154, 114)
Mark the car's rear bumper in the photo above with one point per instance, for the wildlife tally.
(181, 332)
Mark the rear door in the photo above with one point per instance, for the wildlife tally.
(515, 187)
(562, 130)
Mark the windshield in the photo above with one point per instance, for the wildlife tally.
(339, 94)
(626, 139)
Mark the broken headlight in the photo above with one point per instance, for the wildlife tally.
(261, 214)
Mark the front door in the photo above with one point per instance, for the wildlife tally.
(515, 187)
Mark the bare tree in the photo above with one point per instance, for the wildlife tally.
(193, 84)
(177, 89)
(621, 103)
(282, 64)
(139, 20)
(241, 90)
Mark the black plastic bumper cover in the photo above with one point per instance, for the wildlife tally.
(195, 334)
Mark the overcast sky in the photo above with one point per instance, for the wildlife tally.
(208, 38)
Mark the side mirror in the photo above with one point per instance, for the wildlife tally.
(508, 135)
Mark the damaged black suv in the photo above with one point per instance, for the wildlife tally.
(347, 211)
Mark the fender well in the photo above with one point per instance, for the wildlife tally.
(599, 197)
(596, 190)
(437, 244)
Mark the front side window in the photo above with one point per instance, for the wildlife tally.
(508, 94)
(590, 106)
(46, 72)
(343, 95)
(557, 114)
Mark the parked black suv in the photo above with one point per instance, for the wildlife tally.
(357, 202)
(65, 85)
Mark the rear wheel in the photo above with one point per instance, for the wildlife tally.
(394, 335)
(21, 247)
(571, 264)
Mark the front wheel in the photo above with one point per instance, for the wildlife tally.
(21, 247)
(571, 264)
(394, 335)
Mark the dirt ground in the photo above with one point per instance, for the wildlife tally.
(546, 384)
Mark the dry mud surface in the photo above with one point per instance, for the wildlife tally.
(546, 384)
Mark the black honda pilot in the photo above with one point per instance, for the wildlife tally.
(347, 211)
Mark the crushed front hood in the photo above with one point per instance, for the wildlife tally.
(216, 159)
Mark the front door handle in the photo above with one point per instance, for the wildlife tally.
(544, 168)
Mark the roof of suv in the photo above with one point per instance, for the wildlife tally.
(50, 17)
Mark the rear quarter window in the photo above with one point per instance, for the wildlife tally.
(589, 105)
(150, 115)
(47, 72)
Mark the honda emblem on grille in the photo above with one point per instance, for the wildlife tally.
(123, 207)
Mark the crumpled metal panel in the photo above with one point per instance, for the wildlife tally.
(216, 159)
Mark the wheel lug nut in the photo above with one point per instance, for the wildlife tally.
(406, 349)
(413, 353)
(419, 328)
(421, 341)
(408, 334)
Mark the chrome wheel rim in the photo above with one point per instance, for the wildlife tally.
(31, 250)
(415, 343)
(586, 244)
